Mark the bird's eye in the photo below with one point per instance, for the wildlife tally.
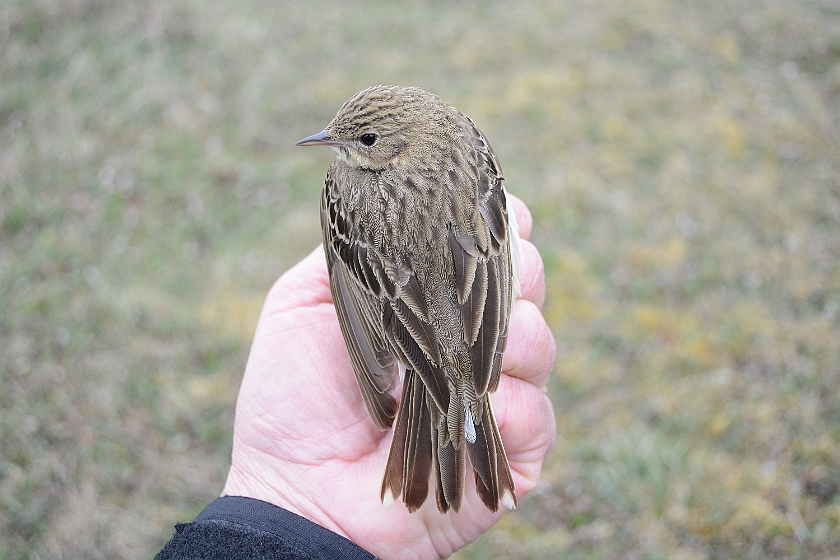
(368, 138)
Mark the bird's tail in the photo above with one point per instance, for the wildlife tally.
(421, 445)
(410, 457)
(493, 479)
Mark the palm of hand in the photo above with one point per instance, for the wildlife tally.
(303, 438)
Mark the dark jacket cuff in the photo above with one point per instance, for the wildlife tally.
(241, 528)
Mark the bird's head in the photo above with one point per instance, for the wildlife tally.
(388, 125)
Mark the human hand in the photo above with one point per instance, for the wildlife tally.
(303, 438)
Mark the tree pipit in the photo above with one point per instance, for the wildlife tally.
(422, 254)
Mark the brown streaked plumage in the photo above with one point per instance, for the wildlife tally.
(421, 251)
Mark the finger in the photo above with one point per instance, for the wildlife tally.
(528, 427)
(523, 215)
(532, 275)
(530, 350)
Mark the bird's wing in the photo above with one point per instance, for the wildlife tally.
(354, 284)
(393, 315)
(484, 269)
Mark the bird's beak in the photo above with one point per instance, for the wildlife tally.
(321, 139)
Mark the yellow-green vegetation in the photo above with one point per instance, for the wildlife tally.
(682, 162)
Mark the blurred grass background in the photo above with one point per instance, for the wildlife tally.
(681, 162)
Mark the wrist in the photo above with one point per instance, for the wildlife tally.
(253, 479)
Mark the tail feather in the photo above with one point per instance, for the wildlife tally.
(418, 449)
(422, 445)
(410, 457)
(449, 476)
(484, 460)
(493, 480)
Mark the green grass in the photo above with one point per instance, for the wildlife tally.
(681, 160)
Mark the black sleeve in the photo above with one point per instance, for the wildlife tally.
(238, 528)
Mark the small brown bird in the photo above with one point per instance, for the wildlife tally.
(422, 254)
